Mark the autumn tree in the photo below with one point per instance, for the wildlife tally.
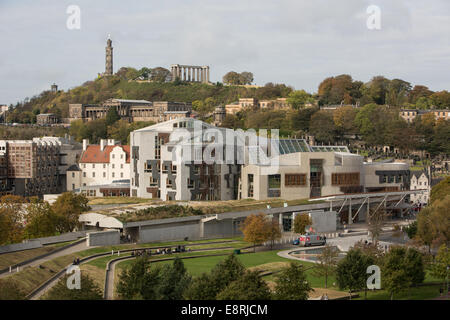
(322, 126)
(12, 209)
(255, 229)
(439, 268)
(68, 206)
(375, 222)
(344, 119)
(301, 221)
(42, 221)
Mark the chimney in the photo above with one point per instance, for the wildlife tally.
(85, 144)
(111, 142)
(102, 144)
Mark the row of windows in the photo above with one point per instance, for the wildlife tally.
(93, 174)
(104, 166)
(291, 180)
(345, 179)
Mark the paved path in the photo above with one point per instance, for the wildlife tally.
(76, 248)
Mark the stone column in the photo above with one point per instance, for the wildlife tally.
(207, 74)
(184, 74)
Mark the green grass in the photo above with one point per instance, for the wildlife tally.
(118, 200)
(417, 293)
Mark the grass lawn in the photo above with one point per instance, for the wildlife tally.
(12, 258)
(418, 293)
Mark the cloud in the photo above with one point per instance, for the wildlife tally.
(286, 41)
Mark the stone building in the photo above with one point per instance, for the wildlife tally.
(109, 58)
(44, 119)
(131, 110)
(410, 114)
(104, 166)
(190, 73)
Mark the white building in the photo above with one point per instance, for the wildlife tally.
(100, 165)
(420, 180)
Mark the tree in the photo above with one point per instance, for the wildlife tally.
(322, 126)
(273, 231)
(131, 280)
(291, 283)
(414, 266)
(11, 218)
(255, 229)
(41, 220)
(159, 74)
(395, 275)
(344, 119)
(112, 116)
(301, 221)
(246, 77)
(68, 206)
(378, 89)
(411, 229)
(89, 290)
(440, 190)
(440, 267)
(208, 286)
(297, 99)
(172, 281)
(375, 221)
(425, 229)
(351, 271)
(327, 262)
(249, 286)
(232, 78)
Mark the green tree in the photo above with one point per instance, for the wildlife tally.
(201, 288)
(291, 283)
(414, 266)
(249, 286)
(301, 221)
(297, 99)
(131, 280)
(395, 274)
(173, 281)
(327, 263)
(351, 271)
(11, 219)
(322, 126)
(112, 116)
(411, 229)
(89, 290)
(440, 267)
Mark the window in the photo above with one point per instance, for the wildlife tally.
(84, 174)
(250, 185)
(190, 183)
(121, 166)
(147, 167)
(93, 166)
(93, 174)
(113, 156)
(73, 174)
(73, 186)
(345, 179)
(174, 169)
(274, 184)
(113, 174)
(153, 182)
(113, 166)
(104, 166)
(121, 174)
(104, 174)
(165, 168)
(291, 180)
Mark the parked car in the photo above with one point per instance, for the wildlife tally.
(296, 242)
(308, 240)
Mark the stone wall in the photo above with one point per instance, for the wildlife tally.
(103, 238)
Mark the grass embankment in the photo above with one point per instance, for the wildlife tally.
(119, 200)
(12, 258)
(30, 278)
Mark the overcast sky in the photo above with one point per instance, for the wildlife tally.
(296, 42)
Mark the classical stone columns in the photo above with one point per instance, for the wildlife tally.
(190, 73)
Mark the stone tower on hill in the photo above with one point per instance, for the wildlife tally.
(109, 58)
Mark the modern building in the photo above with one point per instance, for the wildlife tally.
(32, 167)
(284, 169)
(131, 110)
(162, 166)
(104, 166)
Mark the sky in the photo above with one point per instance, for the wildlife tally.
(296, 42)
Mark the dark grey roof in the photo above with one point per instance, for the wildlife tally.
(73, 167)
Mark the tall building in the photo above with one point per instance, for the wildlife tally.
(109, 58)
